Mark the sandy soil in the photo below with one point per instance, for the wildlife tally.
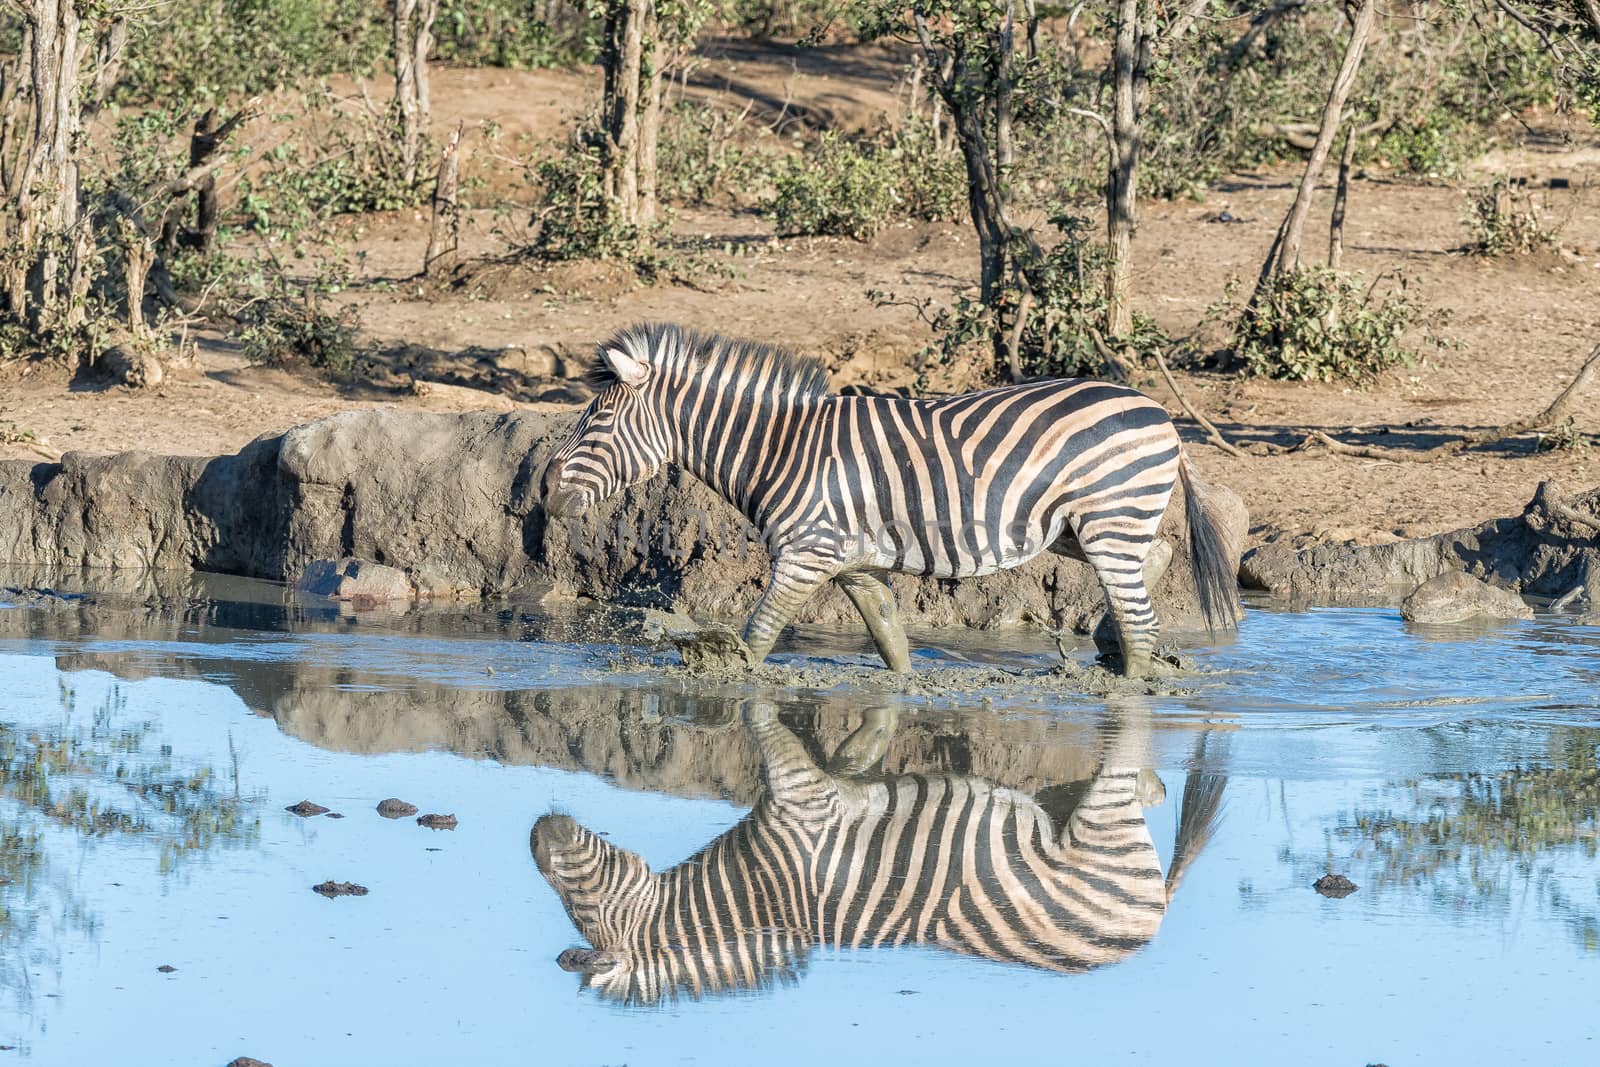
(511, 337)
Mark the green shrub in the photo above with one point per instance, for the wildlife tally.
(1066, 316)
(932, 183)
(1319, 324)
(336, 161)
(702, 158)
(203, 50)
(573, 218)
(513, 33)
(840, 187)
(288, 328)
(1565, 437)
(1505, 218)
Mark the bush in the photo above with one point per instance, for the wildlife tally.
(287, 328)
(338, 160)
(1062, 336)
(932, 183)
(701, 160)
(1505, 218)
(205, 50)
(841, 187)
(573, 218)
(1565, 437)
(508, 33)
(1319, 324)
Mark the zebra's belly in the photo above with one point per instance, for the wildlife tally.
(965, 553)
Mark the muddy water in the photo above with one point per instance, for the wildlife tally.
(151, 737)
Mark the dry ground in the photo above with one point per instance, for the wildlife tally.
(511, 337)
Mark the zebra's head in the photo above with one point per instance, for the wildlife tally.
(619, 440)
(644, 949)
(604, 889)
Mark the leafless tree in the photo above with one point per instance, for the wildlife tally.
(413, 40)
(57, 79)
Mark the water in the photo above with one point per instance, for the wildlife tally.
(152, 735)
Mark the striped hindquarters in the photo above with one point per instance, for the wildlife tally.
(972, 484)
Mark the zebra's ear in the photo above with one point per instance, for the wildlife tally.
(631, 372)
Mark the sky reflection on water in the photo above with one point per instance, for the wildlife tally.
(1451, 775)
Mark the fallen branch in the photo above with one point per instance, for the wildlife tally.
(1560, 510)
(1554, 413)
(1213, 434)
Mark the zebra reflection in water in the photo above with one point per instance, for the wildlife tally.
(829, 858)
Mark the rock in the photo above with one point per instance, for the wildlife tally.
(1456, 596)
(166, 968)
(395, 808)
(453, 501)
(1336, 886)
(247, 1061)
(331, 889)
(359, 581)
(129, 364)
(306, 809)
(437, 822)
(1542, 552)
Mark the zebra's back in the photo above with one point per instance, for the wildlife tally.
(971, 484)
(955, 861)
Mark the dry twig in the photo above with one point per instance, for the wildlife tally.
(1213, 434)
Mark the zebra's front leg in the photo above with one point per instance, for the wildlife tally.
(875, 600)
(794, 579)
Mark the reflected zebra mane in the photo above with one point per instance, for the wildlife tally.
(667, 345)
(750, 961)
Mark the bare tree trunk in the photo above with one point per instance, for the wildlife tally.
(649, 114)
(52, 258)
(444, 237)
(1287, 251)
(138, 255)
(624, 62)
(202, 144)
(413, 40)
(1122, 168)
(1341, 195)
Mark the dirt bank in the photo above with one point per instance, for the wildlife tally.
(452, 500)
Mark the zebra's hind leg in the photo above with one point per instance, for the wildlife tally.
(874, 599)
(1118, 556)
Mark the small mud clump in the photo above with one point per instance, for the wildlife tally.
(1336, 886)
(395, 808)
(248, 1061)
(437, 822)
(306, 809)
(166, 968)
(331, 889)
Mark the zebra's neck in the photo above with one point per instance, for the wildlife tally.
(741, 434)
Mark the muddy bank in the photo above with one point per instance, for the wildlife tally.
(1551, 549)
(453, 502)
(661, 737)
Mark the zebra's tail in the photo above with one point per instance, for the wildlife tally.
(1212, 554)
(1198, 816)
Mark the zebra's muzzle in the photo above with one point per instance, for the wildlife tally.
(585, 960)
(561, 501)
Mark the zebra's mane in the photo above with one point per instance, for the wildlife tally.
(665, 344)
(775, 958)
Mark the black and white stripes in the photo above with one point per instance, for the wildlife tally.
(945, 860)
(848, 487)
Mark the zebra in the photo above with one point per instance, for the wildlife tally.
(829, 859)
(846, 488)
